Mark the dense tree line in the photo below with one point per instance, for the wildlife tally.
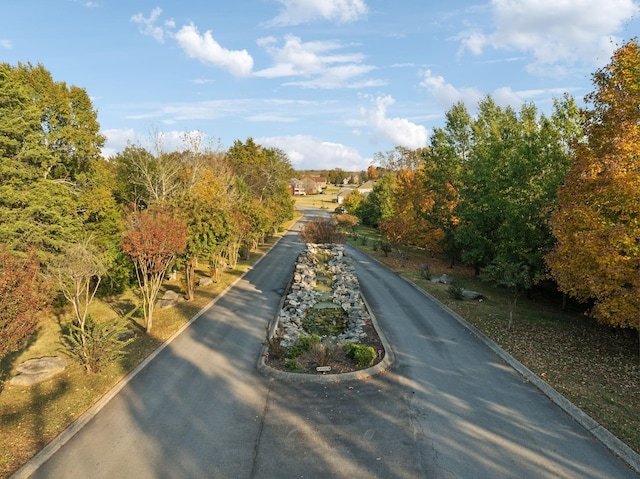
(89, 225)
(522, 196)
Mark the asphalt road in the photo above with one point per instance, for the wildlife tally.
(448, 408)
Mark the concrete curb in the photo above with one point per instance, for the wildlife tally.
(610, 441)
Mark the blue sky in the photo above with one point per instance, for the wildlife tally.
(330, 82)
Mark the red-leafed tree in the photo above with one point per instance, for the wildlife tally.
(152, 240)
(23, 294)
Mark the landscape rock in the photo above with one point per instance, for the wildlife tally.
(34, 371)
(302, 295)
(471, 294)
(444, 279)
(204, 281)
(126, 335)
(169, 299)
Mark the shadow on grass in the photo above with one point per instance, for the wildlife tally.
(8, 363)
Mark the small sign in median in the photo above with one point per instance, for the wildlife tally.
(323, 369)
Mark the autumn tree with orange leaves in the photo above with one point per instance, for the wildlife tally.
(153, 240)
(597, 220)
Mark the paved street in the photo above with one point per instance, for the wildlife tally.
(448, 408)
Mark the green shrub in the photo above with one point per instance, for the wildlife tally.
(304, 343)
(425, 272)
(361, 354)
(385, 246)
(455, 291)
(99, 343)
(292, 365)
(294, 352)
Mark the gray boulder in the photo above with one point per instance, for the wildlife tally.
(444, 279)
(34, 371)
(169, 299)
(471, 294)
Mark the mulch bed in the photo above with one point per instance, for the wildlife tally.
(338, 360)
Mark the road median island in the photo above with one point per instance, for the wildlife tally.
(324, 328)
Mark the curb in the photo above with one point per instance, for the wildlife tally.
(602, 434)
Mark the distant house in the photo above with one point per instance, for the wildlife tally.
(364, 188)
(343, 193)
(351, 179)
(321, 182)
(313, 184)
(296, 187)
(367, 187)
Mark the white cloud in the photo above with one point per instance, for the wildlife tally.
(201, 47)
(399, 131)
(147, 26)
(504, 96)
(307, 153)
(296, 12)
(207, 50)
(8, 44)
(201, 81)
(117, 140)
(446, 94)
(87, 3)
(555, 31)
(320, 62)
(271, 118)
(172, 140)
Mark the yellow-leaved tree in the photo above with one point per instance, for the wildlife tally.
(597, 220)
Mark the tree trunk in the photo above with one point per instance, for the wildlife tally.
(190, 273)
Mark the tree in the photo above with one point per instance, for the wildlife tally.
(443, 162)
(509, 185)
(408, 224)
(265, 171)
(49, 145)
(78, 274)
(353, 201)
(347, 221)
(23, 295)
(378, 206)
(69, 128)
(145, 178)
(596, 223)
(485, 179)
(152, 240)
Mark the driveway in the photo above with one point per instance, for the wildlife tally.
(448, 408)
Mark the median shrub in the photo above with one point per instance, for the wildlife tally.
(321, 232)
(362, 355)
